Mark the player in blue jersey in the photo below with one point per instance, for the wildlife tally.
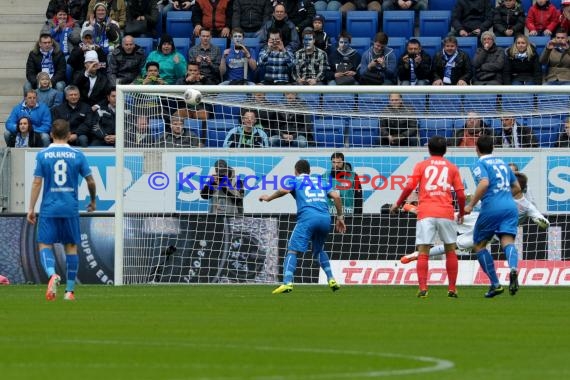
(58, 168)
(313, 222)
(496, 185)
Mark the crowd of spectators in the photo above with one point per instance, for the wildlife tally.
(87, 47)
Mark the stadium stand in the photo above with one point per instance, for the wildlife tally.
(362, 23)
(398, 44)
(430, 45)
(398, 23)
(431, 127)
(329, 132)
(435, 23)
(333, 22)
(146, 43)
(179, 24)
(363, 133)
(217, 131)
(361, 44)
(468, 45)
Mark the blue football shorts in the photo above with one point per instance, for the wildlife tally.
(59, 230)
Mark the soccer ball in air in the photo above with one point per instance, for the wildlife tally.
(192, 96)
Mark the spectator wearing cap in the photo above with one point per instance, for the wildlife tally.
(63, 29)
(46, 94)
(106, 30)
(172, 64)
(327, 5)
(126, 62)
(404, 5)
(93, 85)
(116, 10)
(77, 57)
(311, 63)
(322, 39)
(45, 56)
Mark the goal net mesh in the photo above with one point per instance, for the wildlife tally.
(172, 231)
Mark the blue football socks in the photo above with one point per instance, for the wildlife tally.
(289, 266)
(488, 266)
(325, 264)
(47, 260)
(72, 266)
(512, 256)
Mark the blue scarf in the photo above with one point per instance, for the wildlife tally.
(449, 64)
(47, 62)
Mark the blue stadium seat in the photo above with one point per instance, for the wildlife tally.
(398, 44)
(480, 103)
(372, 103)
(504, 42)
(431, 127)
(329, 132)
(362, 23)
(361, 44)
(220, 42)
(179, 24)
(313, 100)
(468, 45)
(156, 128)
(146, 43)
(416, 101)
(182, 46)
(338, 102)
(539, 42)
(364, 133)
(333, 23)
(526, 4)
(252, 44)
(558, 102)
(556, 3)
(514, 103)
(430, 45)
(435, 23)
(398, 23)
(217, 131)
(546, 128)
(194, 125)
(444, 103)
(223, 108)
(441, 5)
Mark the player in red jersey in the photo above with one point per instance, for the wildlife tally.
(435, 177)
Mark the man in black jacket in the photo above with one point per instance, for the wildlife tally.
(76, 113)
(45, 56)
(126, 62)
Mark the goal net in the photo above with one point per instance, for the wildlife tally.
(175, 224)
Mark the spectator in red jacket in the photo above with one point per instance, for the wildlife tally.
(542, 19)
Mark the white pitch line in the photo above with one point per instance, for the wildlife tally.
(437, 363)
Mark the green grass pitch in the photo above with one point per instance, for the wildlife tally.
(245, 332)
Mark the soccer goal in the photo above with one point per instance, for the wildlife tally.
(168, 231)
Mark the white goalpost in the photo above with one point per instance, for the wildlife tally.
(168, 232)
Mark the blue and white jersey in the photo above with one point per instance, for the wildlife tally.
(311, 196)
(500, 177)
(60, 167)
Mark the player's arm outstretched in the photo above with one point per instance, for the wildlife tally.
(277, 194)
